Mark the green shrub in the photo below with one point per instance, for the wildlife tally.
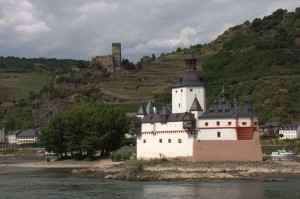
(159, 160)
(140, 166)
(121, 155)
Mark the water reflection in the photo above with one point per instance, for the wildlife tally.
(60, 183)
(205, 190)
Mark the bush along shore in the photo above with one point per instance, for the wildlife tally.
(180, 170)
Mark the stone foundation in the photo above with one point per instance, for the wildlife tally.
(227, 150)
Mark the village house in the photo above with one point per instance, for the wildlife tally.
(11, 137)
(225, 131)
(23, 136)
(290, 131)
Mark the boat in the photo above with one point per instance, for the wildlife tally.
(282, 153)
(51, 153)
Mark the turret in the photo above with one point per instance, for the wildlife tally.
(189, 84)
(196, 108)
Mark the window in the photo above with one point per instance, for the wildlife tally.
(144, 141)
(219, 134)
(218, 123)
(179, 105)
(244, 123)
(191, 89)
(179, 140)
(229, 123)
(169, 140)
(176, 91)
(181, 90)
(206, 123)
(160, 140)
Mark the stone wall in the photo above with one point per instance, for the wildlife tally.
(228, 150)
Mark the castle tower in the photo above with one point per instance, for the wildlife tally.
(190, 84)
(116, 53)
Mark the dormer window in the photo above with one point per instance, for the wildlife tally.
(180, 79)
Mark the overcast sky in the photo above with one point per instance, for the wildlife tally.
(81, 29)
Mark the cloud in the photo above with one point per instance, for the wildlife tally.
(82, 29)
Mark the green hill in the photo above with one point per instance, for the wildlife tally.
(259, 58)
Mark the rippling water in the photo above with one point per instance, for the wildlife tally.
(60, 183)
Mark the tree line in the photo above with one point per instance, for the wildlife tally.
(85, 129)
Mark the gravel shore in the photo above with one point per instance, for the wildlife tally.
(174, 170)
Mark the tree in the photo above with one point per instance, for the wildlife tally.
(95, 64)
(52, 135)
(153, 58)
(86, 128)
(127, 65)
(81, 64)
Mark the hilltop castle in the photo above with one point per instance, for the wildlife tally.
(223, 132)
(113, 61)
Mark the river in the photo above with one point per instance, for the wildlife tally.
(60, 183)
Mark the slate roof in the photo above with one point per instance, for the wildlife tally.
(13, 132)
(142, 110)
(222, 107)
(149, 108)
(29, 133)
(165, 111)
(290, 126)
(247, 110)
(196, 105)
(174, 117)
(190, 77)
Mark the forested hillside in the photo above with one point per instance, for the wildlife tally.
(259, 58)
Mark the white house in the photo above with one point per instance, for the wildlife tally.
(12, 137)
(225, 131)
(290, 131)
(24, 136)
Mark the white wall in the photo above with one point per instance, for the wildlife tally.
(288, 133)
(154, 149)
(212, 134)
(210, 131)
(185, 97)
(212, 122)
(170, 126)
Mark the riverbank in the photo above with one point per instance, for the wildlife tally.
(173, 170)
(178, 170)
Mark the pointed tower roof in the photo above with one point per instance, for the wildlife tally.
(222, 107)
(149, 108)
(196, 105)
(142, 110)
(165, 111)
(223, 93)
(247, 110)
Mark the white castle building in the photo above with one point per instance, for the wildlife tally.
(223, 132)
